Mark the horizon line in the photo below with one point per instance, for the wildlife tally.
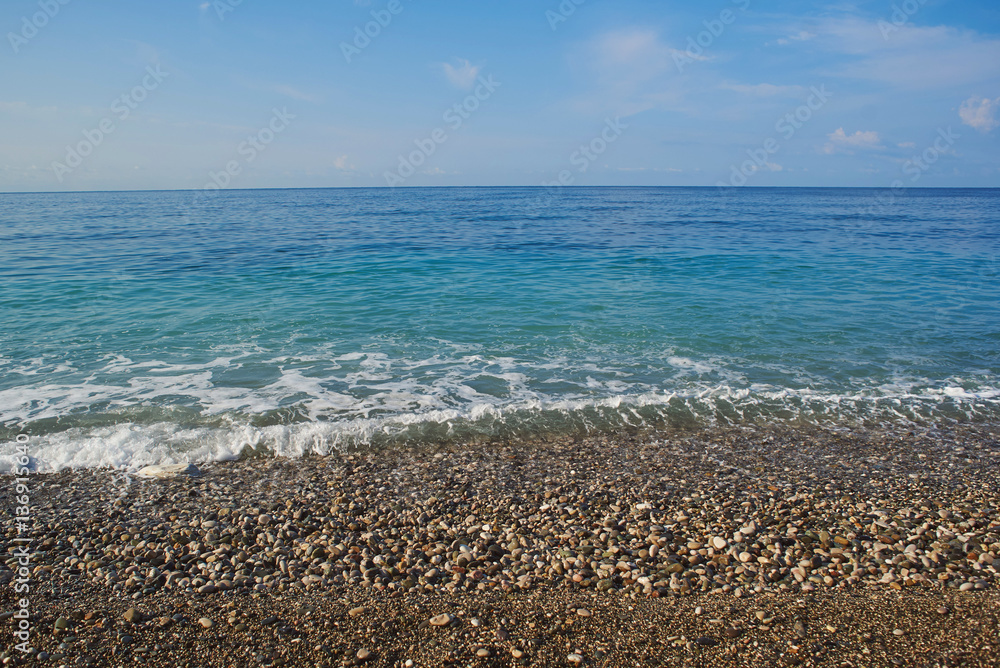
(443, 187)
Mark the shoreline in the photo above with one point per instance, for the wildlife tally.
(776, 533)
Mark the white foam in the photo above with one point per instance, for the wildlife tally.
(364, 396)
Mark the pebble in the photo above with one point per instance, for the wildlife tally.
(583, 612)
(482, 653)
(206, 622)
(442, 620)
(363, 655)
(575, 659)
(219, 532)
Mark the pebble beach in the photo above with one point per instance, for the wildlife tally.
(716, 547)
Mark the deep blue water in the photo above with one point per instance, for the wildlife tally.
(160, 326)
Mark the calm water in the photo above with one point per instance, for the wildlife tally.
(152, 327)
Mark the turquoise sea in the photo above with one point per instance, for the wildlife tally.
(152, 327)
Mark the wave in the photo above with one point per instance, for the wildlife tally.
(144, 435)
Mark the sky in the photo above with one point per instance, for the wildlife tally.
(188, 94)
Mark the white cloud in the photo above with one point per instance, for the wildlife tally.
(464, 76)
(278, 88)
(14, 106)
(630, 47)
(634, 70)
(341, 164)
(907, 144)
(293, 92)
(764, 89)
(801, 36)
(918, 58)
(672, 170)
(841, 141)
(22, 108)
(980, 113)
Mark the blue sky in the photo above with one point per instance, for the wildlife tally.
(120, 95)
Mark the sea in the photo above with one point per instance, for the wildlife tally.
(145, 328)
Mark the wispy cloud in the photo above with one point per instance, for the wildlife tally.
(841, 141)
(980, 113)
(463, 75)
(765, 90)
(917, 58)
(292, 92)
(286, 90)
(634, 71)
(801, 36)
(22, 108)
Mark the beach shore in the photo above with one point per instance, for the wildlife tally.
(726, 547)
